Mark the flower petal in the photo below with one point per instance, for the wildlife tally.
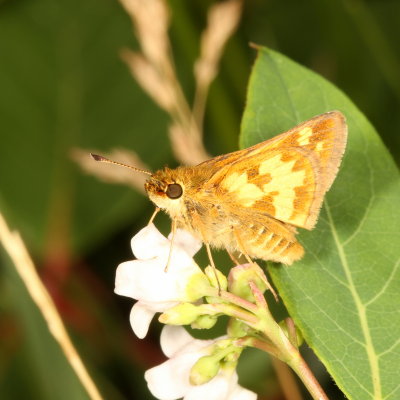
(124, 278)
(186, 241)
(236, 392)
(170, 380)
(240, 393)
(140, 319)
(173, 339)
(149, 243)
(223, 387)
(147, 279)
(142, 313)
(216, 389)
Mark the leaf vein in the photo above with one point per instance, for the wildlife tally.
(369, 346)
(334, 355)
(385, 286)
(396, 343)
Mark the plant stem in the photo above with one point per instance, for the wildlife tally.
(15, 247)
(307, 377)
(290, 353)
(247, 305)
(289, 385)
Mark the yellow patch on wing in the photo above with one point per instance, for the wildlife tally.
(320, 146)
(304, 136)
(246, 193)
(282, 186)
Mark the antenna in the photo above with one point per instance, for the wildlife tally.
(96, 157)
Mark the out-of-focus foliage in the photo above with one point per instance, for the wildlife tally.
(63, 85)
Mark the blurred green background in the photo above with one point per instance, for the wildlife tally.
(62, 86)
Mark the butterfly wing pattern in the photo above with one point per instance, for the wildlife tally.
(276, 186)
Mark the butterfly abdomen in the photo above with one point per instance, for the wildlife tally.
(270, 244)
(269, 239)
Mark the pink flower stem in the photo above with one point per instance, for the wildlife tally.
(233, 311)
(307, 377)
(247, 305)
(284, 347)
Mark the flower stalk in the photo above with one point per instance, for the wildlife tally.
(282, 345)
(186, 295)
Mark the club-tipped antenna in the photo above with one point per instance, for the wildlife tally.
(96, 157)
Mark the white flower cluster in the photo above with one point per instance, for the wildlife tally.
(156, 290)
(171, 379)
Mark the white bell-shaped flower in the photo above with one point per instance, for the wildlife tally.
(171, 379)
(147, 280)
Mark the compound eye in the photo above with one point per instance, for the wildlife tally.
(174, 191)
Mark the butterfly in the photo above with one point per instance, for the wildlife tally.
(253, 200)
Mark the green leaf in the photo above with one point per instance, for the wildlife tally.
(344, 294)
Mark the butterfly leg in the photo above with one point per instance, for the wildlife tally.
(232, 257)
(213, 266)
(199, 225)
(249, 260)
(173, 230)
(154, 215)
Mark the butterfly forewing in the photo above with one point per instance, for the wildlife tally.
(287, 176)
(325, 136)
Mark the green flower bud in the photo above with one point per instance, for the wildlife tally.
(204, 370)
(240, 276)
(197, 286)
(204, 322)
(182, 314)
(210, 272)
(237, 328)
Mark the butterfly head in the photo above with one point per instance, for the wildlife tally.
(165, 188)
(166, 191)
